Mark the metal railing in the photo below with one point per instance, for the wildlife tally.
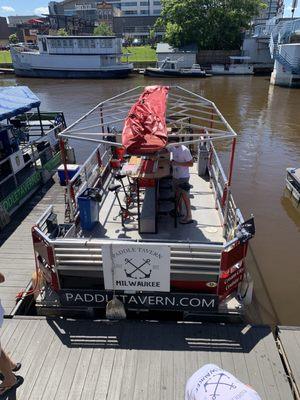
(88, 174)
(290, 63)
(230, 215)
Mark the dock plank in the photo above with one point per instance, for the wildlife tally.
(16, 251)
(289, 339)
(85, 359)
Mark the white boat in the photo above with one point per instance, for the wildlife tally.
(127, 242)
(29, 148)
(237, 65)
(71, 57)
(171, 68)
(293, 182)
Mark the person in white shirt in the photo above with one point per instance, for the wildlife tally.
(212, 382)
(182, 160)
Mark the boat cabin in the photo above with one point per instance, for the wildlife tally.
(236, 65)
(122, 231)
(28, 146)
(65, 45)
(169, 64)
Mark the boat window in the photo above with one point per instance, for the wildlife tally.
(93, 44)
(65, 43)
(86, 43)
(80, 43)
(105, 43)
(70, 43)
(58, 43)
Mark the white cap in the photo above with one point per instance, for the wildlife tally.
(211, 382)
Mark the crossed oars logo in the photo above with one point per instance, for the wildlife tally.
(139, 269)
(219, 382)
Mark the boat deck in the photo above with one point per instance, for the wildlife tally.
(16, 251)
(206, 228)
(69, 359)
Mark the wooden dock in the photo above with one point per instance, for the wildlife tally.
(136, 360)
(16, 251)
(289, 345)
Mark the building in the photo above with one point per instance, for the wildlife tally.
(285, 49)
(81, 16)
(256, 41)
(28, 31)
(106, 13)
(140, 7)
(186, 55)
(4, 32)
(136, 27)
(15, 20)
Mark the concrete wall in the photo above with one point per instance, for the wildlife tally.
(281, 75)
(257, 50)
(205, 57)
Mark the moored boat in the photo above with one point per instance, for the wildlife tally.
(293, 182)
(122, 238)
(71, 57)
(170, 68)
(237, 65)
(29, 149)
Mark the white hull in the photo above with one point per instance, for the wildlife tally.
(220, 69)
(70, 65)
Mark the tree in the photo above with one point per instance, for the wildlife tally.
(103, 30)
(62, 32)
(13, 38)
(211, 24)
(152, 37)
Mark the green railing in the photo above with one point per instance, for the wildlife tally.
(19, 195)
(52, 164)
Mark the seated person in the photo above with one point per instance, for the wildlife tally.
(181, 159)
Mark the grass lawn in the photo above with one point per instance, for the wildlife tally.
(5, 56)
(139, 53)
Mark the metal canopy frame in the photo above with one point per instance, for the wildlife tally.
(195, 118)
(191, 117)
(191, 113)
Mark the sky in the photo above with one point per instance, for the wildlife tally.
(38, 7)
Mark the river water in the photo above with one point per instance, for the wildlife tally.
(267, 120)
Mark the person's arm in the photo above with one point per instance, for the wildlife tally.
(2, 278)
(183, 163)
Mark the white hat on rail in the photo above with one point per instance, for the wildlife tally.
(213, 383)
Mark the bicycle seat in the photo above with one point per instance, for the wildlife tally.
(119, 176)
(113, 188)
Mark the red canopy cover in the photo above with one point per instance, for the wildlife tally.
(145, 129)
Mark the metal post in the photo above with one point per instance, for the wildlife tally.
(228, 186)
(212, 118)
(231, 161)
(101, 119)
(40, 119)
(33, 155)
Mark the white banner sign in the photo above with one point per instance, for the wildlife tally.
(138, 267)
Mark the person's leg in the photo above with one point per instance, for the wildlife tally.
(186, 199)
(6, 368)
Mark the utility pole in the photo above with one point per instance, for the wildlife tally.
(294, 6)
